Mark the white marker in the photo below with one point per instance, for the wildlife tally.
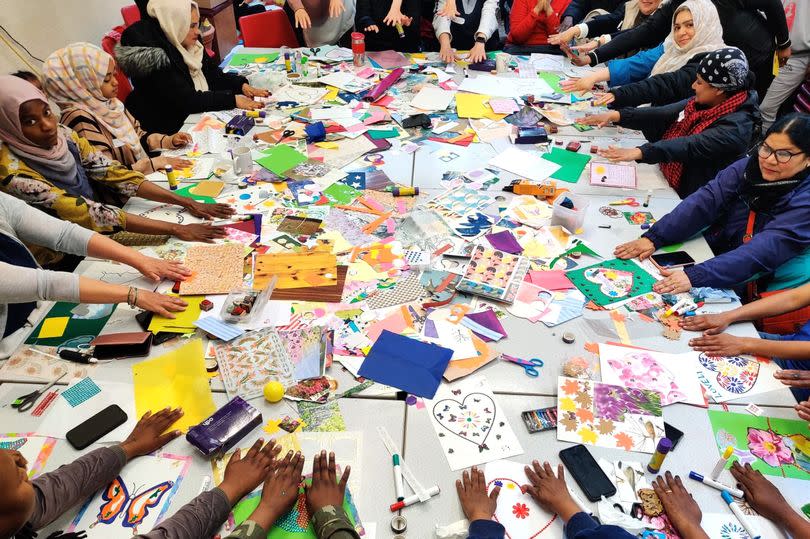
(578, 501)
(675, 307)
(400, 488)
(735, 508)
(737, 493)
(721, 464)
(410, 500)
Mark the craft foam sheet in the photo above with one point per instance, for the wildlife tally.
(773, 446)
(216, 269)
(605, 415)
(136, 500)
(612, 281)
(522, 517)
(471, 427)
(729, 378)
(36, 449)
(672, 375)
(247, 363)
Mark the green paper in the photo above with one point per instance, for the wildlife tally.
(571, 164)
(552, 80)
(281, 158)
(321, 417)
(94, 317)
(672, 248)
(638, 217)
(607, 282)
(377, 134)
(340, 193)
(243, 59)
(186, 192)
(764, 441)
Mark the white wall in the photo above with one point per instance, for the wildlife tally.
(46, 25)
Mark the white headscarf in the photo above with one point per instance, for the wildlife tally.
(708, 36)
(174, 17)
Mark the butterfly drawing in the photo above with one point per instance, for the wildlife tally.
(133, 507)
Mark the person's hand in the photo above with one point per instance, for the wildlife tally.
(209, 211)
(617, 154)
(803, 410)
(252, 91)
(603, 99)
(19, 460)
(373, 28)
(160, 304)
(472, 493)
(180, 139)
(177, 163)
(449, 10)
(280, 490)
(477, 53)
(783, 55)
(564, 37)
(394, 17)
(302, 19)
(325, 488)
(550, 491)
(157, 269)
(600, 120)
(150, 433)
(674, 282)
(447, 54)
(200, 232)
(542, 6)
(579, 60)
(585, 48)
(761, 494)
(710, 324)
(243, 474)
(246, 103)
(336, 7)
(583, 84)
(793, 378)
(565, 24)
(641, 248)
(720, 345)
(680, 507)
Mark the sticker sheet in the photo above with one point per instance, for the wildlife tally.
(604, 415)
(216, 269)
(247, 363)
(522, 517)
(729, 378)
(494, 274)
(612, 281)
(470, 425)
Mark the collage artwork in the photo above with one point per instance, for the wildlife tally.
(612, 281)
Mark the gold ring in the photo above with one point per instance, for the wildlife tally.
(666, 492)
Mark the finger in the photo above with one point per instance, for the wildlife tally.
(530, 490)
(316, 467)
(547, 469)
(324, 467)
(236, 457)
(560, 472)
(254, 449)
(460, 488)
(332, 468)
(344, 479)
(495, 493)
(531, 475)
(298, 466)
(167, 437)
(465, 477)
(538, 469)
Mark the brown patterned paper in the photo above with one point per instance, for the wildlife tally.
(217, 269)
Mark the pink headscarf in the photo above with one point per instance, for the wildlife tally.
(15, 91)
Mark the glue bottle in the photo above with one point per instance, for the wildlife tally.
(171, 176)
(657, 460)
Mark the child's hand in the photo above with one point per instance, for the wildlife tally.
(302, 19)
(394, 17)
(803, 410)
(793, 378)
(472, 493)
(712, 324)
(243, 474)
(763, 496)
(373, 28)
(679, 505)
(150, 433)
(280, 490)
(326, 489)
(722, 345)
(550, 491)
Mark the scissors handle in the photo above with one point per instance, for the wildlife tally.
(26, 402)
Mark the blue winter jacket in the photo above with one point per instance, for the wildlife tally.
(634, 68)
(580, 526)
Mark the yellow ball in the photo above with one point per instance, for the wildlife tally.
(273, 391)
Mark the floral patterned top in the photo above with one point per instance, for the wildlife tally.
(23, 182)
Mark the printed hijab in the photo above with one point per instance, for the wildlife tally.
(708, 36)
(174, 17)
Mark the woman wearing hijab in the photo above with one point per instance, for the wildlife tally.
(694, 139)
(172, 75)
(51, 167)
(80, 78)
(755, 215)
(695, 31)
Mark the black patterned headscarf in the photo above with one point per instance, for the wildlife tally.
(726, 69)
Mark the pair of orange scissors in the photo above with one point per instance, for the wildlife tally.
(630, 201)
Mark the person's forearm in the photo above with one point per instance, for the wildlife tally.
(797, 526)
(694, 531)
(103, 247)
(93, 291)
(782, 349)
(144, 225)
(144, 166)
(444, 40)
(150, 191)
(774, 305)
(602, 75)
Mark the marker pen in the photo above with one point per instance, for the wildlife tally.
(735, 508)
(721, 464)
(398, 479)
(578, 501)
(737, 493)
(675, 307)
(410, 500)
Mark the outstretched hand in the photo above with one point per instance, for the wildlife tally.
(150, 433)
(472, 493)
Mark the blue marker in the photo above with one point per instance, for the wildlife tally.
(735, 508)
(737, 493)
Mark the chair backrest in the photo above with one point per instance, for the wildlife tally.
(108, 43)
(268, 29)
(131, 14)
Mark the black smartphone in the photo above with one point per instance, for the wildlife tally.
(673, 434)
(678, 259)
(417, 120)
(587, 473)
(96, 427)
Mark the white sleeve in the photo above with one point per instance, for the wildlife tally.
(21, 285)
(32, 225)
(441, 24)
(489, 18)
(583, 30)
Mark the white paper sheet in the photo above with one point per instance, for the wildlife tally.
(505, 87)
(524, 164)
(730, 378)
(431, 98)
(517, 511)
(726, 526)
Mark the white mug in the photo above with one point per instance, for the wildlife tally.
(242, 161)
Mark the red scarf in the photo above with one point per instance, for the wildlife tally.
(696, 121)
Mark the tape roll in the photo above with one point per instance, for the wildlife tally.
(399, 524)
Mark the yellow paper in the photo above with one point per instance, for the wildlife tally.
(53, 327)
(475, 106)
(327, 145)
(184, 321)
(332, 95)
(177, 379)
(210, 188)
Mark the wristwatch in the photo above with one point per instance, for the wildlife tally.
(480, 39)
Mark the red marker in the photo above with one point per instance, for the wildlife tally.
(410, 500)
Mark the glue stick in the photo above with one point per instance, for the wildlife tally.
(400, 30)
(721, 463)
(664, 447)
(171, 176)
(405, 191)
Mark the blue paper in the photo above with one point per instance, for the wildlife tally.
(218, 328)
(406, 364)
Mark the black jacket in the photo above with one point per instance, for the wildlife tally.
(606, 24)
(372, 12)
(661, 89)
(703, 155)
(164, 93)
(577, 9)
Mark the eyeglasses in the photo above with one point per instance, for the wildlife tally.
(782, 156)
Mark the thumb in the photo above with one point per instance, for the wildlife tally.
(237, 456)
(494, 494)
(665, 272)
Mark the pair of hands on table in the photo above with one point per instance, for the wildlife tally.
(674, 281)
(245, 100)
(477, 53)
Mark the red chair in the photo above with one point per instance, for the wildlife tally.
(108, 43)
(268, 29)
(131, 14)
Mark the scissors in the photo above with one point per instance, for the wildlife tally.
(630, 201)
(26, 402)
(529, 366)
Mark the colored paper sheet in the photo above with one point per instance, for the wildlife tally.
(244, 58)
(504, 241)
(183, 321)
(388, 59)
(475, 106)
(177, 379)
(550, 280)
(341, 193)
(84, 323)
(377, 134)
(571, 164)
(406, 364)
(552, 80)
(773, 446)
(612, 281)
(492, 328)
(53, 327)
(295, 270)
(463, 367)
(216, 269)
(281, 158)
(188, 191)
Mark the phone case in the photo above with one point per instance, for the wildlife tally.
(586, 478)
(96, 427)
(118, 345)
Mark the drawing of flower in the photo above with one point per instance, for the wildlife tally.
(587, 435)
(520, 510)
(498, 483)
(624, 441)
(769, 447)
(584, 415)
(570, 387)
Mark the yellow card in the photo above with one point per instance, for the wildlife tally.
(183, 321)
(333, 92)
(327, 145)
(209, 188)
(475, 106)
(53, 327)
(776, 63)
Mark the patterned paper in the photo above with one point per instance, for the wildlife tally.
(405, 290)
(249, 362)
(729, 378)
(494, 274)
(217, 269)
(612, 281)
(36, 449)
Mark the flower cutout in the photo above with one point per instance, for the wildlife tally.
(769, 447)
(520, 510)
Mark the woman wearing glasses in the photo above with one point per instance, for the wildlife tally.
(755, 215)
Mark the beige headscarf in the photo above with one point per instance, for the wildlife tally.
(174, 17)
(708, 36)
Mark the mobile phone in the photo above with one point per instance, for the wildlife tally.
(417, 120)
(673, 434)
(587, 473)
(678, 259)
(96, 427)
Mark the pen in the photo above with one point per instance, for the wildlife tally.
(398, 479)
(737, 493)
(410, 500)
(675, 307)
(77, 357)
(735, 508)
(721, 463)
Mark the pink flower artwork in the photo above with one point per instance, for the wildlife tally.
(769, 447)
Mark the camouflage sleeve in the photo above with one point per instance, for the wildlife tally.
(332, 523)
(247, 530)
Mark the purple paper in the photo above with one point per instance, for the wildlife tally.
(377, 91)
(489, 320)
(430, 329)
(505, 241)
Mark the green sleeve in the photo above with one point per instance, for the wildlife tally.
(332, 523)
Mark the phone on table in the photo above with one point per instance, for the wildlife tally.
(587, 473)
(678, 259)
(96, 427)
(673, 434)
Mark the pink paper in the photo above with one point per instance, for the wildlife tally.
(366, 73)
(550, 280)
(377, 91)
(503, 105)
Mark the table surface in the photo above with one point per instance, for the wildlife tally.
(515, 392)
